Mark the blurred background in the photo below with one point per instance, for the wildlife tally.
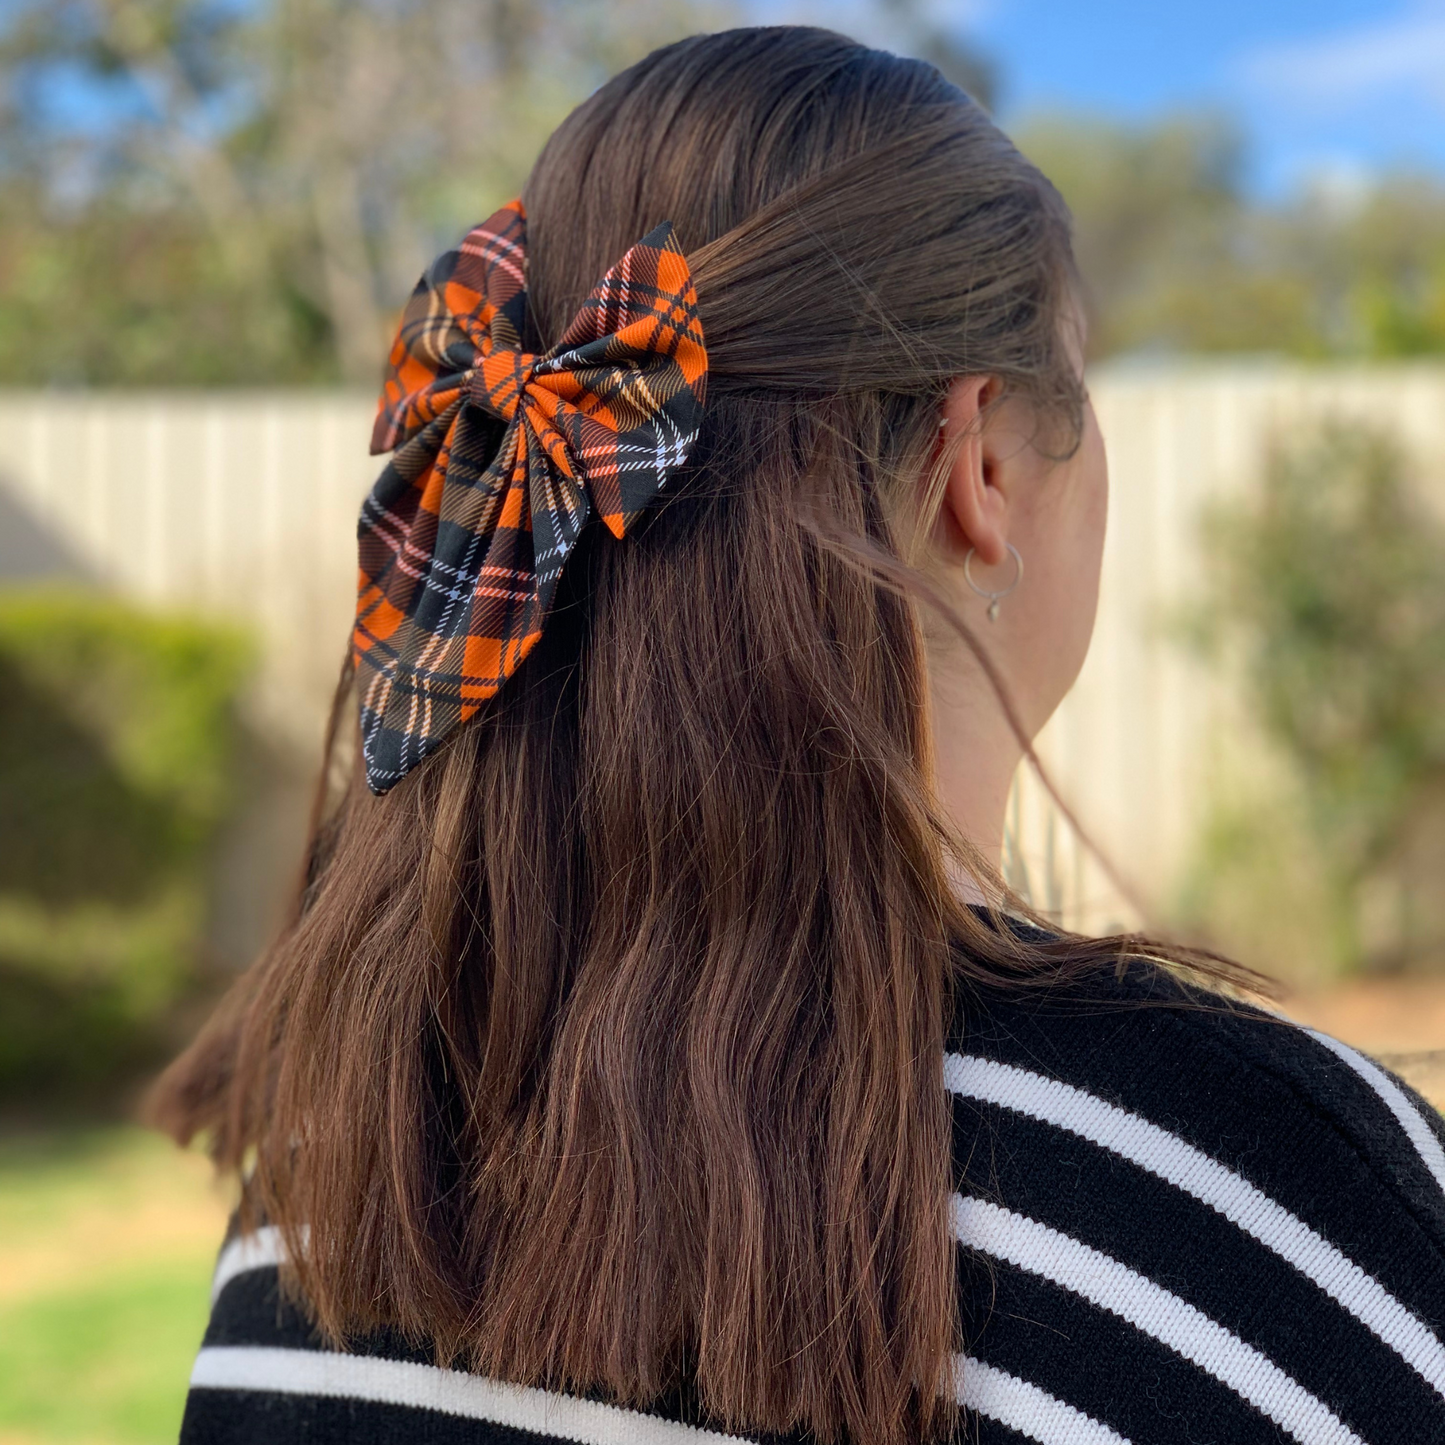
(210, 213)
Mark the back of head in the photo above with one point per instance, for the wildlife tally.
(853, 221)
(608, 1044)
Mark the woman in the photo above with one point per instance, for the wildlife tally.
(650, 1051)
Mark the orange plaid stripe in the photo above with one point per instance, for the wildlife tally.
(500, 458)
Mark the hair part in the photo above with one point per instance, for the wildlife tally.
(607, 1046)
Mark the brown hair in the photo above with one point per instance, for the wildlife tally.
(608, 1045)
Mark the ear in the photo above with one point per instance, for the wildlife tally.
(975, 506)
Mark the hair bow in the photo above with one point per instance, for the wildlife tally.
(462, 539)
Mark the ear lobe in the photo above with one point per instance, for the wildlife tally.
(974, 507)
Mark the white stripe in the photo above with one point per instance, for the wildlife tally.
(1013, 1402)
(1182, 1165)
(1033, 1412)
(425, 1387)
(1174, 1322)
(246, 1252)
(1420, 1134)
(1003, 1397)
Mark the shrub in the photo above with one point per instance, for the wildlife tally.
(119, 737)
(1330, 596)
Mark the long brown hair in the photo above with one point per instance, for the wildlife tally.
(608, 1044)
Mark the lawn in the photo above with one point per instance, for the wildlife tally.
(107, 1239)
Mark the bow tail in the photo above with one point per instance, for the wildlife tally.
(559, 503)
(470, 614)
(396, 535)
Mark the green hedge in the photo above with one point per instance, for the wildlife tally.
(119, 741)
(1328, 597)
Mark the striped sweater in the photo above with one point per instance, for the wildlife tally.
(1174, 1223)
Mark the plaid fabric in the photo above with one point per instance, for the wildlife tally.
(462, 541)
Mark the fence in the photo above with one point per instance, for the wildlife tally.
(1148, 735)
(243, 505)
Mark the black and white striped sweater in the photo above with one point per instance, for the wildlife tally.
(1175, 1225)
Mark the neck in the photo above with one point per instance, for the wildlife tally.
(975, 756)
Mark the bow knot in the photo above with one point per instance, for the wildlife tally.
(463, 536)
(499, 380)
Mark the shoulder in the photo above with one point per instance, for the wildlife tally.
(1262, 1207)
(1302, 1111)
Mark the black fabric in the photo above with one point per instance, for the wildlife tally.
(249, 1417)
(1261, 1098)
(256, 1313)
(1259, 1095)
(1100, 1365)
(1139, 1219)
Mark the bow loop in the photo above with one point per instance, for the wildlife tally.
(500, 457)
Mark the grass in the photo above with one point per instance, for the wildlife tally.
(107, 1240)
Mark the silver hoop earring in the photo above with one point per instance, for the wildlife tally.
(994, 598)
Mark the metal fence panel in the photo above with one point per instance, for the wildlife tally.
(243, 506)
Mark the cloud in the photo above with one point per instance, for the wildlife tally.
(1403, 53)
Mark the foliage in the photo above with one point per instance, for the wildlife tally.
(201, 191)
(1178, 257)
(1258, 888)
(118, 745)
(205, 192)
(1330, 585)
(924, 29)
(124, 296)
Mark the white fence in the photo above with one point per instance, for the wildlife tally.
(243, 505)
(1148, 734)
(240, 505)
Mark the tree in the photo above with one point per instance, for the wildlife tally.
(302, 160)
(1330, 589)
(243, 191)
(914, 27)
(1178, 256)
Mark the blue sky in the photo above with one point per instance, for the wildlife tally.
(1339, 88)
